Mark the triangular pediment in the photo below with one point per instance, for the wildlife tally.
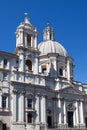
(72, 90)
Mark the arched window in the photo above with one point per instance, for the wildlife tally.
(29, 65)
(29, 117)
(28, 40)
(5, 62)
(44, 69)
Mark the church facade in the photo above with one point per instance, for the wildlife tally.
(37, 87)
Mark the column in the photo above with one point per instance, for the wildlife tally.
(7, 102)
(81, 113)
(35, 40)
(26, 118)
(41, 100)
(68, 70)
(44, 105)
(77, 115)
(53, 66)
(15, 106)
(36, 69)
(74, 118)
(43, 109)
(21, 38)
(37, 107)
(21, 108)
(25, 40)
(65, 112)
(32, 44)
(15, 76)
(60, 112)
(0, 101)
(55, 112)
(21, 68)
(8, 64)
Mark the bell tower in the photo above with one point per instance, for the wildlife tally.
(26, 46)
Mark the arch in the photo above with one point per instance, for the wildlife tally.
(29, 65)
(44, 69)
(28, 40)
(61, 69)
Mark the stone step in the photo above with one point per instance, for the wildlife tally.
(67, 129)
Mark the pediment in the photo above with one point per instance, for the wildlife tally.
(72, 90)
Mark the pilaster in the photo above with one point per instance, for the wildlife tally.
(0, 101)
(60, 112)
(37, 108)
(25, 39)
(36, 68)
(77, 114)
(21, 108)
(68, 69)
(82, 124)
(35, 40)
(43, 109)
(43, 112)
(65, 118)
(55, 112)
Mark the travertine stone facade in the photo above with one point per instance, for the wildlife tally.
(37, 87)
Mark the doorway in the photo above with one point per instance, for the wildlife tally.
(70, 119)
(86, 122)
(49, 121)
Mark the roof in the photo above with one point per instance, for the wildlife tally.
(51, 46)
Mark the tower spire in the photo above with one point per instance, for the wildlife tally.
(48, 25)
(27, 20)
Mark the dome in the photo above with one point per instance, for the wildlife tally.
(51, 46)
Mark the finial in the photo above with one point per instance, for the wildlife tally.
(48, 25)
(27, 18)
(26, 14)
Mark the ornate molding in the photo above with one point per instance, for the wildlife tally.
(71, 107)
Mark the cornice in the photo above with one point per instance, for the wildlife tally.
(7, 54)
(25, 49)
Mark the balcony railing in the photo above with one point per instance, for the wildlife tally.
(38, 80)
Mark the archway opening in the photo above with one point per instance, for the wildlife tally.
(29, 65)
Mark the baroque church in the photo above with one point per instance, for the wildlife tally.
(37, 87)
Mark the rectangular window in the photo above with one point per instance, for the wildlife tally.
(61, 72)
(5, 76)
(17, 61)
(5, 62)
(29, 103)
(4, 98)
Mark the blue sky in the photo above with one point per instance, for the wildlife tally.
(68, 18)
